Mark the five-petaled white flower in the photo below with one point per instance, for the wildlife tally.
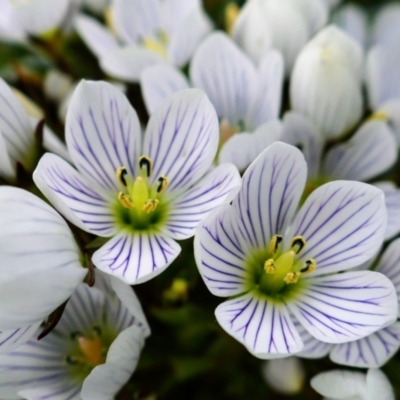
(40, 264)
(140, 195)
(91, 353)
(279, 274)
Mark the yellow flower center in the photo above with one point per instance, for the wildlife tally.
(379, 116)
(92, 350)
(157, 45)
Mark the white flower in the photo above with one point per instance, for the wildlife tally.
(349, 385)
(152, 31)
(91, 353)
(18, 143)
(326, 82)
(142, 196)
(40, 264)
(278, 275)
(369, 153)
(285, 375)
(245, 97)
(286, 25)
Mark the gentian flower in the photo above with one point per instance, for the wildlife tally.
(280, 268)
(350, 385)
(152, 32)
(40, 264)
(142, 196)
(90, 355)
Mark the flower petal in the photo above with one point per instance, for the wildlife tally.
(300, 132)
(271, 190)
(13, 338)
(135, 257)
(7, 169)
(38, 247)
(265, 328)
(15, 126)
(340, 384)
(389, 265)
(345, 307)
(220, 251)
(107, 379)
(227, 76)
(372, 351)
(99, 40)
(392, 202)
(127, 63)
(379, 386)
(343, 222)
(74, 196)
(182, 139)
(159, 82)
(187, 35)
(266, 106)
(136, 19)
(66, 389)
(242, 149)
(217, 187)
(391, 109)
(52, 143)
(369, 153)
(102, 133)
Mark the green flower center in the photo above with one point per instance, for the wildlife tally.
(278, 274)
(141, 206)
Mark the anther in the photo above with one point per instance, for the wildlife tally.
(125, 200)
(274, 243)
(269, 266)
(150, 205)
(379, 116)
(292, 277)
(309, 266)
(298, 243)
(162, 184)
(121, 175)
(145, 162)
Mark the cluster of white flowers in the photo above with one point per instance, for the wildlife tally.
(289, 220)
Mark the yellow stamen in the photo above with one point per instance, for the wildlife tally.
(231, 14)
(109, 19)
(226, 131)
(150, 206)
(155, 46)
(162, 184)
(147, 164)
(269, 266)
(125, 200)
(122, 173)
(298, 243)
(92, 350)
(310, 266)
(379, 116)
(292, 277)
(274, 243)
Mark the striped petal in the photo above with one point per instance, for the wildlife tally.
(266, 329)
(38, 247)
(389, 265)
(372, 351)
(136, 258)
(227, 76)
(102, 133)
(392, 202)
(159, 82)
(266, 106)
(136, 19)
(15, 128)
(75, 197)
(369, 153)
(270, 193)
(182, 139)
(99, 40)
(218, 187)
(313, 348)
(65, 390)
(300, 132)
(11, 339)
(346, 307)
(107, 379)
(128, 63)
(220, 251)
(343, 222)
(242, 149)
